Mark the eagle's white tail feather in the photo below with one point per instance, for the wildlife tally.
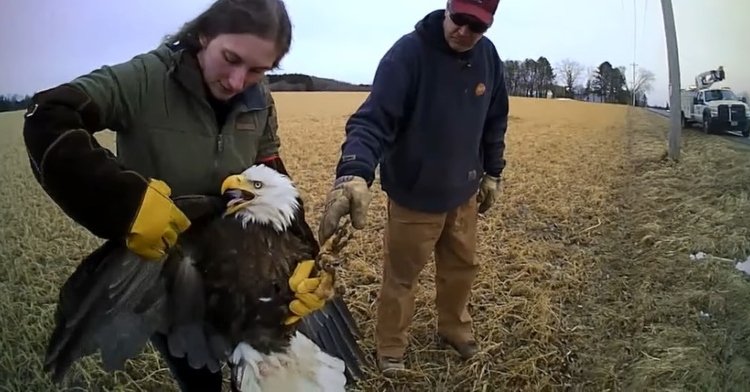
(305, 367)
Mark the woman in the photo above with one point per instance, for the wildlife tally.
(186, 115)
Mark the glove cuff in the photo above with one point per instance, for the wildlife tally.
(356, 169)
(349, 178)
(492, 179)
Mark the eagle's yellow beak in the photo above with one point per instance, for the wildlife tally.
(242, 188)
(236, 182)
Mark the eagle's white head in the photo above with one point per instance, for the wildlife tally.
(261, 195)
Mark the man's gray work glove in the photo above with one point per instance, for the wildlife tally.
(349, 195)
(489, 190)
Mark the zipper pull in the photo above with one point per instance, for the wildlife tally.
(220, 143)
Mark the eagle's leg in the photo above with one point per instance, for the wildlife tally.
(338, 240)
(329, 259)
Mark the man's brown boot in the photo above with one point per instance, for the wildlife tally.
(466, 350)
(390, 366)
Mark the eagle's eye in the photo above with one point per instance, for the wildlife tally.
(257, 184)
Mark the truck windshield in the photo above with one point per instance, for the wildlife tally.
(717, 95)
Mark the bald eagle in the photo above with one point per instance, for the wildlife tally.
(221, 295)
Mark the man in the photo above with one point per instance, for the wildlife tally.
(435, 120)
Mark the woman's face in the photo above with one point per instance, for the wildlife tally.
(232, 62)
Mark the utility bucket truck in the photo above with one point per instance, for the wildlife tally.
(717, 110)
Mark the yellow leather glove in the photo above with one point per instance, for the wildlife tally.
(157, 224)
(304, 286)
(489, 189)
(350, 195)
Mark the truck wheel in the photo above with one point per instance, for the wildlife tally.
(684, 120)
(706, 128)
(746, 132)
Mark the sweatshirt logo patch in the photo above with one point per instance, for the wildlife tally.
(480, 89)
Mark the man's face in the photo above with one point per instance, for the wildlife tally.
(462, 31)
(232, 62)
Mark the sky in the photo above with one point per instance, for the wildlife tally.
(48, 42)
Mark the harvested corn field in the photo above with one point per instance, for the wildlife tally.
(586, 279)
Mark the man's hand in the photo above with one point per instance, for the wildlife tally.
(350, 195)
(304, 288)
(489, 189)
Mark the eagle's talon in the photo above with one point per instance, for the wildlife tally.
(326, 289)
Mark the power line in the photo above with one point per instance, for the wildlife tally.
(635, 28)
(643, 20)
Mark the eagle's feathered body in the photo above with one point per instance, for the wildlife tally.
(246, 281)
(221, 294)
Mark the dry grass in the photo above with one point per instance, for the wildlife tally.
(585, 283)
(665, 322)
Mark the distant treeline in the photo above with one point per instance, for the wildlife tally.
(526, 78)
(570, 79)
(9, 103)
(302, 82)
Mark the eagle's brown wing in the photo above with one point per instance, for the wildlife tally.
(115, 301)
(335, 331)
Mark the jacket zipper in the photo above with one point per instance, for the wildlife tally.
(217, 154)
(219, 146)
(219, 149)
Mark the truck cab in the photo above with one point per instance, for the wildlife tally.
(717, 110)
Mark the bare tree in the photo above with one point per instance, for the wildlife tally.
(569, 73)
(644, 80)
(529, 78)
(589, 72)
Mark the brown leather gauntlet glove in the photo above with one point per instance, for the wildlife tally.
(87, 181)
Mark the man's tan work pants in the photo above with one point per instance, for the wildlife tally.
(409, 239)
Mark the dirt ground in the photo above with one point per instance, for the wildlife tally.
(586, 280)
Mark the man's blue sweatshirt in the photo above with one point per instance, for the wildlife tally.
(434, 120)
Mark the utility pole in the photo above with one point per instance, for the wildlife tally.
(673, 59)
(632, 88)
(635, 39)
